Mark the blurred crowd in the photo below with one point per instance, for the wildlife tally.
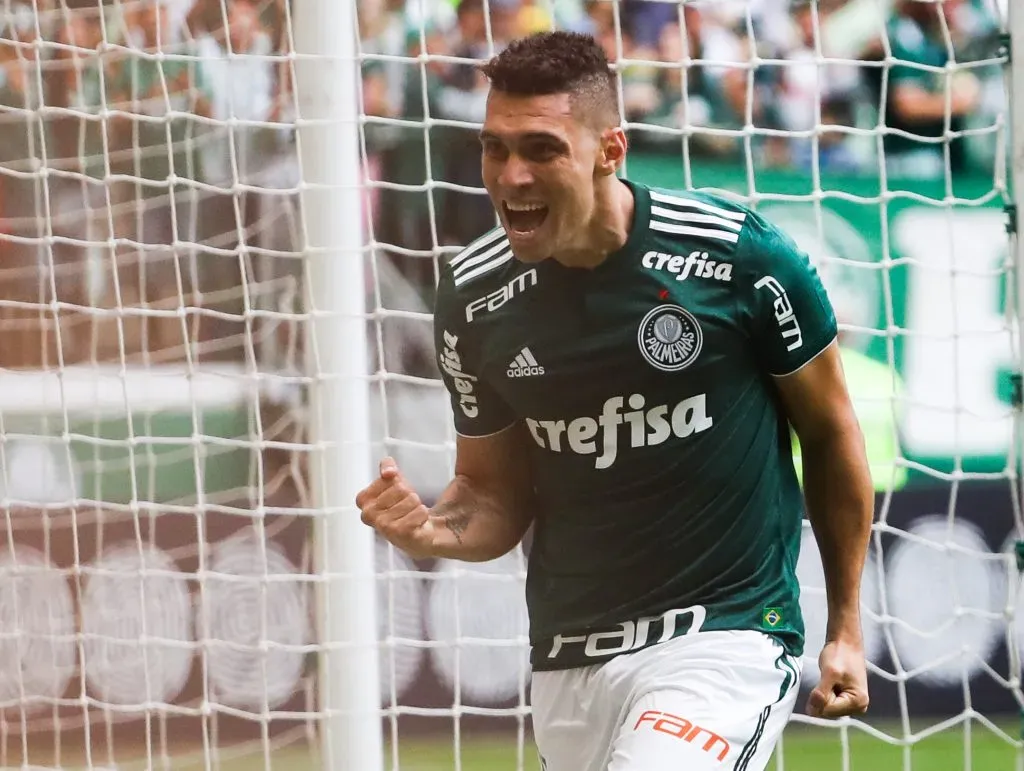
(157, 132)
(144, 88)
(160, 123)
(808, 81)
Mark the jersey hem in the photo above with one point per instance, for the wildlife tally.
(597, 645)
(539, 663)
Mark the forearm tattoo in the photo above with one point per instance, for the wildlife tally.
(457, 522)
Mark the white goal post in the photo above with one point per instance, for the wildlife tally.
(1015, 98)
(221, 223)
(327, 75)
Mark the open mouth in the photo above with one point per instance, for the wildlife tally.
(524, 218)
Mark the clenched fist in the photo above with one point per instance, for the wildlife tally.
(391, 507)
(843, 688)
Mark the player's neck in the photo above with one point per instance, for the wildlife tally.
(608, 229)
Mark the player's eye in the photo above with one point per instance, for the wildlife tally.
(493, 149)
(541, 151)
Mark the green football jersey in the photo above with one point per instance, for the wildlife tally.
(667, 501)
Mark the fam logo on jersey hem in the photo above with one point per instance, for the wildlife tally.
(602, 644)
(670, 338)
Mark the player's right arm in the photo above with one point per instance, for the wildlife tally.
(483, 513)
(486, 508)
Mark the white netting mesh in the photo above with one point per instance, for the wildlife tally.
(37, 612)
(157, 572)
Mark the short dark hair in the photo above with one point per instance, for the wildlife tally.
(557, 63)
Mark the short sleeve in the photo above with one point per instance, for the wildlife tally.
(785, 307)
(477, 408)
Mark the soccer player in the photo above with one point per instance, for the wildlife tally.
(624, 364)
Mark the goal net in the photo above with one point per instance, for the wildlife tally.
(217, 261)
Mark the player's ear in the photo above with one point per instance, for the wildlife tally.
(613, 150)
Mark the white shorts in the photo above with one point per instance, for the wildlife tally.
(705, 702)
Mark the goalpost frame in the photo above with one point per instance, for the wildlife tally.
(1015, 106)
(326, 72)
(1015, 93)
(1014, 49)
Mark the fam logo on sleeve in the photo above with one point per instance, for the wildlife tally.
(785, 317)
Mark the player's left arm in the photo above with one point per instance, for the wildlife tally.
(794, 332)
(839, 498)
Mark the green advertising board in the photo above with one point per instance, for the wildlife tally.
(918, 274)
(156, 435)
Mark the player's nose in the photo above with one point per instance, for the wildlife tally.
(515, 174)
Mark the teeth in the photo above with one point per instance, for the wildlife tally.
(524, 206)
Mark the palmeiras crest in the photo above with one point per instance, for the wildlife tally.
(669, 338)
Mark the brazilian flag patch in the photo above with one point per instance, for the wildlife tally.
(771, 617)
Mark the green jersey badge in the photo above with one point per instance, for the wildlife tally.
(772, 617)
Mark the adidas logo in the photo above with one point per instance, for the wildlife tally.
(524, 365)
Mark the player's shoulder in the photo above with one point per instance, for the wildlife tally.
(717, 222)
(697, 219)
(723, 203)
(481, 266)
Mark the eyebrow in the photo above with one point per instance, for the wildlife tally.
(531, 136)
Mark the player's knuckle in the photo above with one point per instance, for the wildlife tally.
(372, 518)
